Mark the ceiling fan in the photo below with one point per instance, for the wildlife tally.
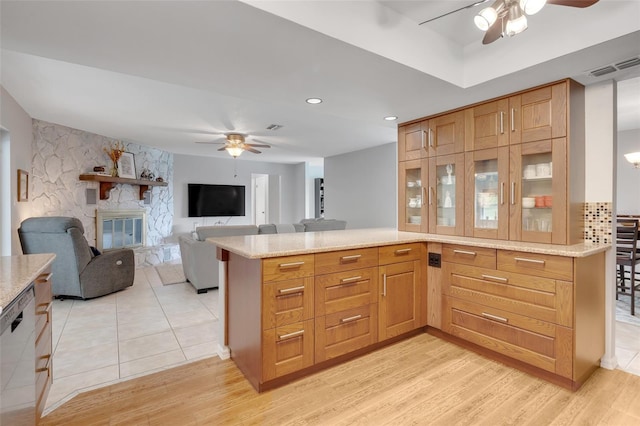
(235, 145)
(509, 17)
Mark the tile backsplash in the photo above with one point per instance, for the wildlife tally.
(597, 222)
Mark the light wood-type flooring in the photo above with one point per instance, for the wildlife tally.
(422, 380)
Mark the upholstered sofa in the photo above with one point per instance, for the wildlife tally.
(199, 257)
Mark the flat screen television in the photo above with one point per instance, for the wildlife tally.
(215, 200)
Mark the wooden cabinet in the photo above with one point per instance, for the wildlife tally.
(535, 308)
(403, 293)
(44, 366)
(412, 141)
(519, 149)
(445, 194)
(289, 314)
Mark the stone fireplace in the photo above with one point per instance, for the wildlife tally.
(120, 229)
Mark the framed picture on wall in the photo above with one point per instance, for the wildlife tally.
(23, 185)
(126, 166)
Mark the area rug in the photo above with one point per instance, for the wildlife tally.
(623, 310)
(171, 273)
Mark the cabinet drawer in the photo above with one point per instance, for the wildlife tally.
(287, 268)
(476, 256)
(43, 289)
(541, 265)
(345, 290)
(287, 349)
(540, 298)
(346, 260)
(343, 332)
(287, 302)
(399, 253)
(538, 343)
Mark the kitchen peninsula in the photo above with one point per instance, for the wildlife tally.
(301, 302)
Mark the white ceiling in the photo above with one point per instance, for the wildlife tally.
(170, 73)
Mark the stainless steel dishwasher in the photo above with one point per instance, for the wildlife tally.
(17, 361)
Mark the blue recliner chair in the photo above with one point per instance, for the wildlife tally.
(77, 270)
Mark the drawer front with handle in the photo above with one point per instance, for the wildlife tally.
(544, 345)
(343, 332)
(287, 302)
(287, 349)
(345, 290)
(476, 256)
(345, 260)
(399, 253)
(540, 298)
(287, 268)
(541, 265)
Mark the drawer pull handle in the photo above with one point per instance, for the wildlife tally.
(494, 278)
(470, 253)
(46, 311)
(349, 319)
(422, 138)
(384, 284)
(42, 370)
(513, 193)
(291, 335)
(350, 279)
(402, 251)
(502, 193)
(501, 122)
(430, 138)
(524, 259)
(292, 290)
(513, 124)
(44, 278)
(352, 258)
(495, 317)
(291, 265)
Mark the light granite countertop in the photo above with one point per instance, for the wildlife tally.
(18, 272)
(275, 245)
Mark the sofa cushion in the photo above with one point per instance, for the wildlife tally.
(205, 232)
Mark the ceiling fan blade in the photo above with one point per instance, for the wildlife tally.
(211, 143)
(258, 145)
(573, 3)
(494, 32)
(248, 148)
(222, 149)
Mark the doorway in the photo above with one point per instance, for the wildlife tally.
(5, 194)
(260, 198)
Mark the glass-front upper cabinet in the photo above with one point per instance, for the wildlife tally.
(486, 197)
(446, 194)
(539, 203)
(412, 183)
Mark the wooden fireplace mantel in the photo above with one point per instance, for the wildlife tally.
(108, 182)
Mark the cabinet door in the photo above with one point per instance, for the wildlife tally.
(413, 177)
(538, 205)
(399, 300)
(486, 125)
(446, 190)
(538, 114)
(286, 302)
(486, 203)
(445, 134)
(287, 349)
(412, 141)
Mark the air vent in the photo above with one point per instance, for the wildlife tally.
(608, 69)
(628, 63)
(274, 126)
(602, 71)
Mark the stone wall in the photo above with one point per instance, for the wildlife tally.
(61, 154)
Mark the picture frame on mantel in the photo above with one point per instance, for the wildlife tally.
(127, 166)
(23, 185)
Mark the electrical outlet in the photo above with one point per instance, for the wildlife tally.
(434, 260)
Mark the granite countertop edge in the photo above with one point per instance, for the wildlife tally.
(277, 245)
(18, 272)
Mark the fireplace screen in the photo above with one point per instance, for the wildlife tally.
(120, 228)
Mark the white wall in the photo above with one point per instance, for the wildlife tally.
(17, 123)
(288, 207)
(360, 187)
(628, 187)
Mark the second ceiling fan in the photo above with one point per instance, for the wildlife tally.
(235, 145)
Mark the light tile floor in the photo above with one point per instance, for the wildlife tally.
(628, 347)
(145, 328)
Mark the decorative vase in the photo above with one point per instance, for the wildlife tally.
(114, 169)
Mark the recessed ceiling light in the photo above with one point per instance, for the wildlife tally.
(391, 118)
(314, 101)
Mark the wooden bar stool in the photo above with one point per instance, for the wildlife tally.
(627, 255)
